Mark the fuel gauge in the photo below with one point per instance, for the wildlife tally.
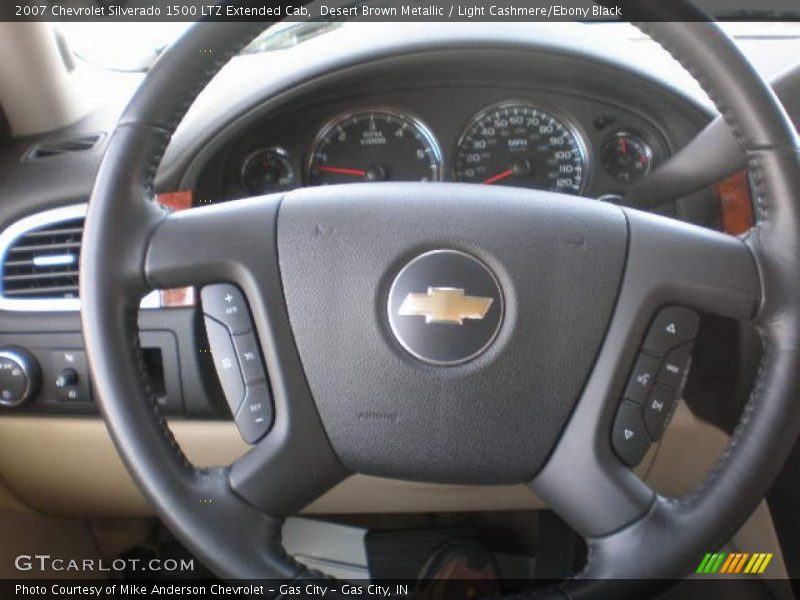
(266, 171)
(626, 157)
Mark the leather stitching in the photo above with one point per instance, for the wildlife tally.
(132, 329)
(149, 186)
(762, 215)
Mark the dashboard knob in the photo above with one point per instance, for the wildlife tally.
(19, 376)
(66, 378)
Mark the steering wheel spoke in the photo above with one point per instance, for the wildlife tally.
(224, 242)
(235, 242)
(670, 264)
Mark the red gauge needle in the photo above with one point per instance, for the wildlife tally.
(498, 177)
(342, 171)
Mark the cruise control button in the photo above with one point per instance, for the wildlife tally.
(675, 367)
(226, 304)
(657, 410)
(255, 415)
(642, 378)
(672, 327)
(230, 376)
(249, 357)
(629, 437)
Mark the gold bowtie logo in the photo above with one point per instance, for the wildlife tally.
(445, 305)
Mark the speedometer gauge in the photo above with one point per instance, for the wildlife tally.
(521, 145)
(374, 145)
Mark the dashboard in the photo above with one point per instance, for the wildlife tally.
(556, 123)
(490, 114)
(491, 107)
(539, 141)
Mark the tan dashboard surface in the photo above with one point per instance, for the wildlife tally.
(68, 466)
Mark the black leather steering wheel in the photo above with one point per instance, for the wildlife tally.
(579, 282)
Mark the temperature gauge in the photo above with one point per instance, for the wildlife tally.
(626, 157)
(266, 171)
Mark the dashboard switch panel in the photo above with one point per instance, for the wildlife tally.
(249, 357)
(226, 363)
(226, 304)
(237, 358)
(255, 414)
(658, 410)
(642, 378)
(675, 366)
(19, 376)
(655, 384)
(71, 371)
(629, 435)
(672, 327)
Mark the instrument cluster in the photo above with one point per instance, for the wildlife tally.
(515, 142)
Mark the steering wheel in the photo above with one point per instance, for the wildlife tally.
(356, 293)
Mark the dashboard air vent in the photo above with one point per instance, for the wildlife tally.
(70, 145)
(43, 263)
(39, 258)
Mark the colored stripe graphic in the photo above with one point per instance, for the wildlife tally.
(741, 563)
(726, 566)
(751, 565)
(765, 562)
(734, 563)
(702, 567)
(714, 566)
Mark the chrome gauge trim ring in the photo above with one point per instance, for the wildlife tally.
(415, 122)
(569, 124)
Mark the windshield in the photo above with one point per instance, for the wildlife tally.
(134, 46)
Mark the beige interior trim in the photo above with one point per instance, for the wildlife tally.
(68, 466)
(37, 92)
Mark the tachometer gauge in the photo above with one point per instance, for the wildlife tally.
(266, 171)
(626, 157)
(518, 144)
(374, 145)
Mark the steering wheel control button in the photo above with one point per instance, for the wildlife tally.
(71, 379)
(226, 363)
(445, 307)
(675, 367)
(249, 357)
(629, 436)
(672, 327)
(226, 304)
(657, 410)
(254, 417)
(642, 378)
(19, 376)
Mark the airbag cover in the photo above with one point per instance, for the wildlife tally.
(558, 261)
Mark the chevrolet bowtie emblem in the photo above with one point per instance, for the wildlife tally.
(445, 305)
